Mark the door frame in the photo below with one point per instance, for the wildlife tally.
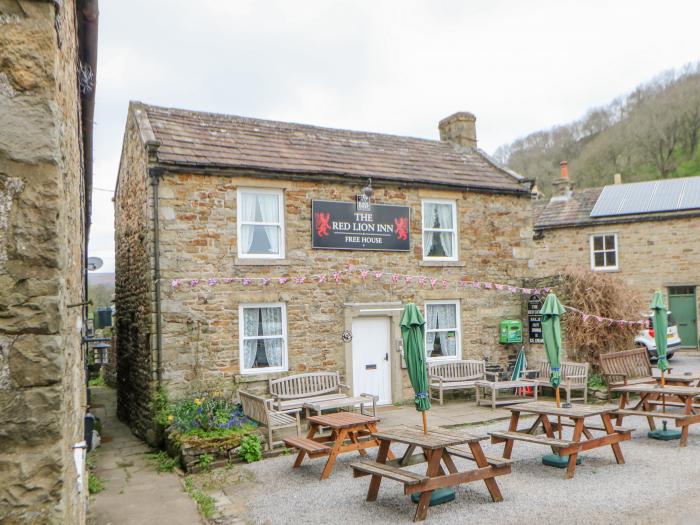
(695, 306)
(393, 311)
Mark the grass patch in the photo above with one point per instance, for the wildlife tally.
(205, 503)
(205, 461)
(95, 485)
(163, 462)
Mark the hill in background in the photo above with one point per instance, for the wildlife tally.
(649, 134)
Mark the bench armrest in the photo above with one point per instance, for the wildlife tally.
(372, 396)
(494, 375)
(342, 386)
(290, 410)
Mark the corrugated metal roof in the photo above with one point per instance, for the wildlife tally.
(648, 197)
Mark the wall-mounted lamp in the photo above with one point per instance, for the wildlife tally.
(367, 190)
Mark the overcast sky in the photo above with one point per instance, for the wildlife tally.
(376, 65)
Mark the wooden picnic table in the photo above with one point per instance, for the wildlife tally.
(349, 431)
(575, 416)
(438, 446)
(653, 396)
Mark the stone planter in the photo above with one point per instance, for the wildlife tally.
(190, 449)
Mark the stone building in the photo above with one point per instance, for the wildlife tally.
(220, 218)
(646, 232)
(46, 104)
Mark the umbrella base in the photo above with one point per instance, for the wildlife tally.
(557, 461)
(664, 435)
(438, 497)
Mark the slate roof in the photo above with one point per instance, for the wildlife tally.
(208, 140)
(575, 212)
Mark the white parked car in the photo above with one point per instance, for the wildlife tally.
(646, 338)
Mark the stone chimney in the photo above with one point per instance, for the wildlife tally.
(563, 187)
(617, 178)
(459, 129)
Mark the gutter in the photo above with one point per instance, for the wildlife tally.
(276, 173)
(155, 173)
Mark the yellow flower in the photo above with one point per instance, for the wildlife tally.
(197, 401)
(217, 393)
(170, 419)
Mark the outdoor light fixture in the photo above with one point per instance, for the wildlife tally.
(367, 190)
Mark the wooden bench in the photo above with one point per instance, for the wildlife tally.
(628, 367)
(574, 376)
(594, 426)
(295, 390)
(313, 448)
(466, 454)
(653, 413)
(260, 410)
(368, 467)
(455, 375)
(540, 439)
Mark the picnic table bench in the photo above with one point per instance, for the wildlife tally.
(349, 431)
(650, 400)
(438, 447)
(577, 414)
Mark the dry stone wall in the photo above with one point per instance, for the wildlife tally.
(42, 395)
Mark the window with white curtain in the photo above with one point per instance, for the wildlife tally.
(260, 223)
(442, 330)
(440, 230)
(263, 338)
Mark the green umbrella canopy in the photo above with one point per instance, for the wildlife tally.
(551, 334)
(660, 328)
(413, 333)
(520, 365)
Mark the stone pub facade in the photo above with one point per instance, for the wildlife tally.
(250, 249)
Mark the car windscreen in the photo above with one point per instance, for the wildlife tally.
(671, 320)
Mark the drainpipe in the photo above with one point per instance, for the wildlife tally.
(155, 174)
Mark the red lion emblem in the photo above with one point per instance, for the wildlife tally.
(401, 228)
(322, 224)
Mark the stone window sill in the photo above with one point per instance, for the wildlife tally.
(253, 378)
(442, 263)
(261, 262)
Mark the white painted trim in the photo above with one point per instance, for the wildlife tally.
(241, 331)
(458, 329)
(454, 230)
(281, 225)
(592, 252)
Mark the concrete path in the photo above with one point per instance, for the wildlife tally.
(135, 493)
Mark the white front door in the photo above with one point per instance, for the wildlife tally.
(370, 357)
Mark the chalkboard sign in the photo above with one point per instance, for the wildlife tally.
(534, 319)
(342, 226)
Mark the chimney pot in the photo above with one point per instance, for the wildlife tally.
(617, 178)
(460, 129)
(564, 170)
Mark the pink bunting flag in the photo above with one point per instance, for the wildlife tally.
(445, 283)
(283, 280)
(264, 281)
(395, 278)
(421, 280)
(212, 282)
(488, 286)
(364, 274)
(194, 282)
(228, 280)
(500, 286)
(378, 275)
(299, 280)
(175, 283)
(246, 281)
(336, 277)
(408, 279)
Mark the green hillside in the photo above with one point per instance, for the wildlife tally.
(652, 133)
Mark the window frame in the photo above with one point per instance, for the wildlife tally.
(240, 223)
(454, 230)
(593, 251)
(458, 329)
(242, 338)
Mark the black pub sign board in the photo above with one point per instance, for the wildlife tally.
(341, 226)
(534, 319)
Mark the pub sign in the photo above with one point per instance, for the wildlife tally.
(342, 226)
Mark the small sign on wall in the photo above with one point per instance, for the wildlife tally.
(534, 319)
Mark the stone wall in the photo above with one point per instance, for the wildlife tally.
(639, 246)
(198, 239)
(134, 297)
(42, 394)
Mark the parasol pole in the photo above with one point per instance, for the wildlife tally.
(663, 396)
(425, 422)
(556, 395)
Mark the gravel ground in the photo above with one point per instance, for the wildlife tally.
(658, 484)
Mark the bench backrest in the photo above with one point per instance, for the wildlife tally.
(634, 363)
(254, 407)
(305, 385)
(568, 368)
(458, 370)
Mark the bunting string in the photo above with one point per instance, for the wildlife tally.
(383, 276)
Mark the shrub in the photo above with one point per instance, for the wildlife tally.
(250, 449)
(205, 461)
(603, 295)
(160, 406)
(208, 416)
